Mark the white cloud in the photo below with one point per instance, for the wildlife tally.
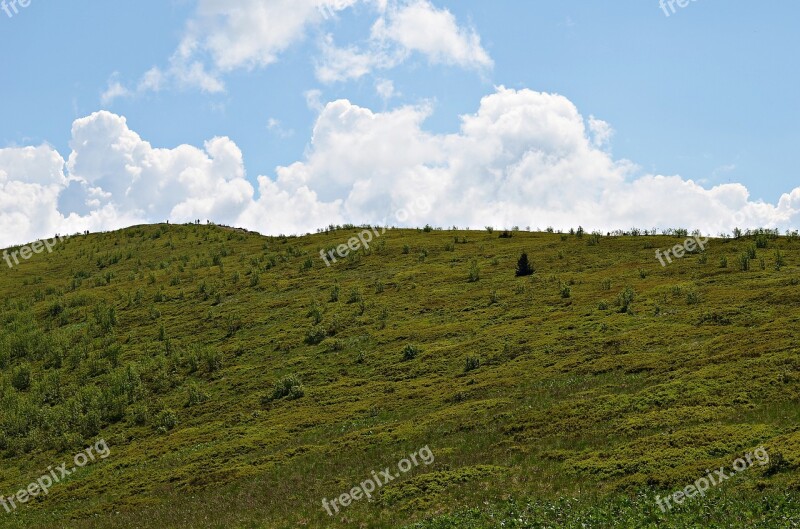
(114, 91)
(344, 64)
(524, 158)
(385, 89)
(276, 127)
(403, 28)
(418, 26)
(224, 36)
(314, 100)
(602, 132)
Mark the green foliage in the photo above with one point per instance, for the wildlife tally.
(410, 352)
(316, 335)
(288, 387)
(334, 293)
(472, 363)
(524, 267)
(166, 420)
(744, 262)
(474, 272)
(625, 300)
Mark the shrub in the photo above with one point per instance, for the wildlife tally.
(692, 298)
(565, 291)
(625, 299)
(21, 377)
(166, 420)
(315, 312)
(195, 395)
(524, 267)
(427, 228)
(212, 360)
(355, 295)
(723, 262)
(505, 234)
(780, 262)
(316, 335)
(472, 363)
(410, 352)
(744, 262)
(289, 386)
(335, 293)
(139, 414)
(474, 272)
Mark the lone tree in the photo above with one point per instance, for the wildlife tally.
(524, 267)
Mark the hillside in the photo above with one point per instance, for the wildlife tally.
(238, 381)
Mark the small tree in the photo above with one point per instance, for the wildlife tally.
(524, 267)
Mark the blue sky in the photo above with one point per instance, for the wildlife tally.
(706, 95)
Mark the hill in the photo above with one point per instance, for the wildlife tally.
(239, 381)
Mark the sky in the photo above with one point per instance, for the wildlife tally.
(285, 116)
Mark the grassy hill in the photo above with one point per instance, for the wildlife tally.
(238, 381)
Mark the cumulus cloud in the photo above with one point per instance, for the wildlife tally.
(419, 26)
(223, 36)
(402, 29)
(523, 158)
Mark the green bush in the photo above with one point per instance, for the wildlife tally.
(625, 300)
(474, 272)
(195, 395)
(166, 420)
(410, 352)
(289, 387)
(524, 266)
(21, 377)
(316, 335)
(335, 293)
(472, 363)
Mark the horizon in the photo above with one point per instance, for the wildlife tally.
(335, 111)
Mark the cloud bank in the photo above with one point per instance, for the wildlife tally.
(523, 158)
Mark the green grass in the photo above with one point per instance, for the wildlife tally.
(239, 381)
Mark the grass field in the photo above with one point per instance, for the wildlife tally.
(238, 381)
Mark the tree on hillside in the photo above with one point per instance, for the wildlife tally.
(524, 267)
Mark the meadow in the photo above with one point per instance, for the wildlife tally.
(238, 380)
